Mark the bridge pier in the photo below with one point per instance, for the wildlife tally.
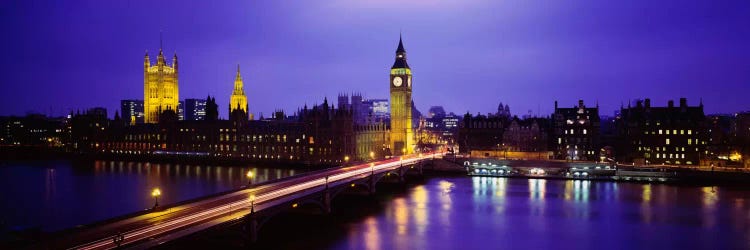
(401, 172)
(371, 186)
(326, 201)
(252, 228)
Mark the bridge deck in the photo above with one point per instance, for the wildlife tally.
(156, 227)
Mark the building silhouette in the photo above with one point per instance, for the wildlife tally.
(575, 132)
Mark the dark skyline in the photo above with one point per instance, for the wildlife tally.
(465, 55)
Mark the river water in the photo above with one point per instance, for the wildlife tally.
(501, 213)
(54, 195)
(454, 212)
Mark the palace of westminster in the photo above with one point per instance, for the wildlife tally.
(321, 134)
(162, 126)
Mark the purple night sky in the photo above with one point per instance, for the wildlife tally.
(467, 55)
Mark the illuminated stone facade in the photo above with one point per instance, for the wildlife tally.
(160, 88)
(238, 100)
(402, 130)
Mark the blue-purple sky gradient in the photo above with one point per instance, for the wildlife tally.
(466, 55)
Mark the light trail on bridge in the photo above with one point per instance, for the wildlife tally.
(202, 214)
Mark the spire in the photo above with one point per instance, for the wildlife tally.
(400, 62)
(160, 41)
(400, 45)
(238, 85)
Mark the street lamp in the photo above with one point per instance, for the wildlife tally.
(372, 155)
(156, 193)
(346, 159)
(249, 177)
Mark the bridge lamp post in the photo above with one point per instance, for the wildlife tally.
(252, 203)
(346, 160)
(249, 177)
(156, 193)
(372, 155)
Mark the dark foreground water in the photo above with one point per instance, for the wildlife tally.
(54, 195)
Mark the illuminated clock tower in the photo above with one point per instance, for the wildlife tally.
(402, 131)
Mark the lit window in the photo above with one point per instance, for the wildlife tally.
(584, 131)
(667, 141)
(682, 131)
(659, 131)
(690, 132)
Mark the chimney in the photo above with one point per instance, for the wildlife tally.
(648, 103)
(683, 102)
(670, 104)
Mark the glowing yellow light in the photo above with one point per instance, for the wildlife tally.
(156, 192)
(352, 185)
(294, 205)
(249, 174)
(346, 158)
(252, 197)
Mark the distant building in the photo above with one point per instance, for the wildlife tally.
(32, 130)
(372, 141)
(481, 133)
(195, 109)
(132, 111)
(181, 110)
(575, 132)
(527, 135)
(663, 135)
(503, 111)
(436, 111)
(160, 87)
(379, 109)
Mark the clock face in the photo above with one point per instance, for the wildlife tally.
(397, 81)
(408, 82)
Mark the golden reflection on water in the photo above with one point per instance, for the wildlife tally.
(421, 198)
(446, 202)
(401, 212)
(710, 200)
(372, 234)
(646, 213)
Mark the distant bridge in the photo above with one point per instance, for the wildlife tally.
(255, 205)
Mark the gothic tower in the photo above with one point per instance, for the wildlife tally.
(160, 88)
(402, 131)
(238, 100)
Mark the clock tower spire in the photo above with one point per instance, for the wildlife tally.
(402, 130)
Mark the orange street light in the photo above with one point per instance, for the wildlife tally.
(156, 193)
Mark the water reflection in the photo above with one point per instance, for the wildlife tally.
(487, 213)
(62, 194)
(537, 189)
